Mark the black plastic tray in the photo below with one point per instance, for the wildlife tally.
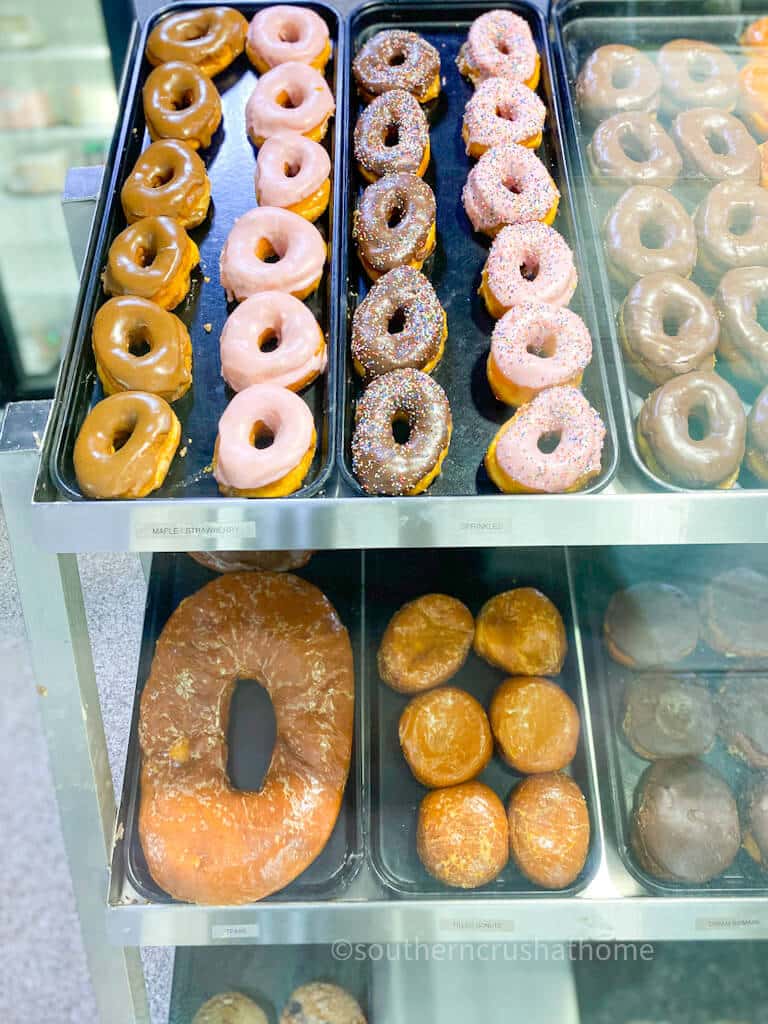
(579, 27)
(230, 160)
(455, 267)
(392, 578)
(174, 577)
(597, 578)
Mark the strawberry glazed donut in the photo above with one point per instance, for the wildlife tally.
(509, 185)
(269, 231)
(284, 33)
(501, 111)
(293, 172)
(500, 45)
(291, 97)
(560, 416)
(535, 346)
(528, 263)
(297, 355)
(264, 413)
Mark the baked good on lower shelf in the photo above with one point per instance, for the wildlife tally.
(322, 1003)
(522, 632)
(535, 724)
(230, 1008)
(743, 705)
(650, 625)
(669, 716)
(445, 737)
(734, 610)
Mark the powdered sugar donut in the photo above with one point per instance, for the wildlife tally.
(293, 172)
(311, 103)
(509, 185)
(502, 110)
(283, 33)
(500, 45)
(528, 262)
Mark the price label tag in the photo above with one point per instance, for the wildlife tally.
(227, 932)
(162, 534)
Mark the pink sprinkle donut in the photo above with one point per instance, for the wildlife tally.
(500, 111)
(500, 45)
(298, 356)
(521, 458)
(509, 185)
(307, 92)
(283, 33)
(528, 263)
(292, 172)
(264, 410)
(535, 346)
(260, 234)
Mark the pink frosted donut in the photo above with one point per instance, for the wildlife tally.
(500, 111)
(535, 346)
(509, 185)
(298, 356)
(264, 411)
(551, 445)
(307, 92)
(260, 234)
(292, 172)
(500, 45)
(280, 34)
(528, 262)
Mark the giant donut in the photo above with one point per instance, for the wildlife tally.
(204, 841)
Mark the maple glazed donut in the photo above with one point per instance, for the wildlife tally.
(168, 180)
(501, 111)
(394, 224)
(138, 346)
(397, 59)
(648, 231)
(392, 135)
(269, 231)
(527, 263)
(633, 149)
(500, 45)
(296, 355)
(210, 38)
(268, 413)
(716, 146)
(180, 102)
(753, 96)
(293, 172)
(743, 339)
(152, 258)
(291, 97)
(732, 225)
(206, 842)
(616, 79)
(508, 185)
(696, 74)
(283, 34)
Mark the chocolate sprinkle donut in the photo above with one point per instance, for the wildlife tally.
(649, 231)
(732, 226)
(394, 224)
(633, 149)
(392, 135)
(617, 79)
(669, 716)
(743, 705)
(734, 607)
(650, 625)
(396, 59)
(743, 339)
(716, 145)
(384, 465)
(756, 457)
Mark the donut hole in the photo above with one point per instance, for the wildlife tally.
(396, 323)
(138, 343)
(740, 219)
(262, 436)
(701, 68)
(529, 268)
(392, 135)
(652, 235)
(291, 168)
(251, 735)
(266, 252)
(286, 101)
(548, 442)
(634, 148)
(183, 100)
(288, 33)
(269, 340)
(401, 429)
(396, 59)
(718, 143)
(544, 346)
(161, 177)
(621, 78)
(395, 215)
(698, 423)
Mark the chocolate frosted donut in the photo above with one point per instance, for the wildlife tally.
(696, 74)
(743, 706)
(669, 716)
(392, 135)
(396, 59)
(633, 149)
(650, 625)
(691, 431)
(382, 464)
(668, 326)
(716, 146)
(180, 102)
(756, 456)
(616, 79)
(648, 231)
(734, 607)
(394, 224)
(743, 340)
(400, 323)
(755, 811)
(732, 225)
(686, 823)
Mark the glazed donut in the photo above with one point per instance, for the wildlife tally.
(272, 338)
(381, 464)
(716, 146)
(400, 323)
(252, 561)
(507, 185)
(535, 346)
(445, 737)
(284, 34)
(293, 172)
(273, 414)
(633, 149)
(500, 111)
(125, 446)
(667, 326)
(743, 339)
(168, 180)
(616, 79)
(696, 74)
(669, 716)
(701, 404)
(648, 231)
(392, 135)
(230, 1008)
(520, 460)
(204, 840)
(756, 457)
(732, 225)
(291, 97)
(549, 831)
(180, 102)
(269, 231)
(152, 258)
(322, 1003)
(396, 59)
(210, 38)
(535, 724)
(755, 35)
(527, 263)
(650, 625)
(394, 224)
(521, 632)
(500, 45)
(753, 96)
(138, 346)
